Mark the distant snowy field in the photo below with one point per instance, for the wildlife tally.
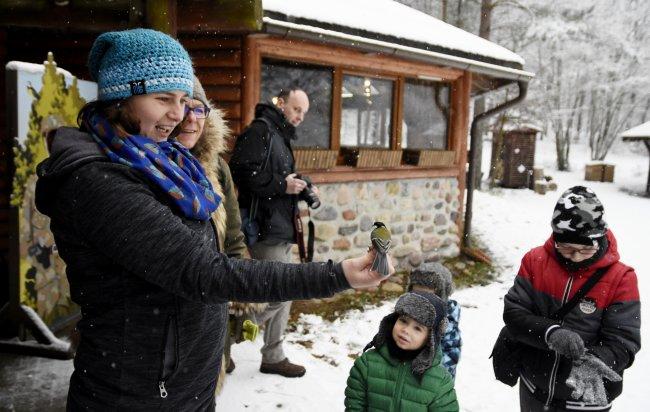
(510, 222)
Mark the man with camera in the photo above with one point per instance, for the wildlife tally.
(264, 171)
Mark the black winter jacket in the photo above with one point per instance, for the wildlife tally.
(276, 208)
(151, 284)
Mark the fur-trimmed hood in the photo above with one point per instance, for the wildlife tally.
(207, 151)
(212, 142)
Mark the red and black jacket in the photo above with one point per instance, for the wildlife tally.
(608, 318)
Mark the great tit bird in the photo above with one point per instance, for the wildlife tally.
(380, 239)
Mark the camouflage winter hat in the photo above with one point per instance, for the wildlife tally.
(434, 276)
(578, 217)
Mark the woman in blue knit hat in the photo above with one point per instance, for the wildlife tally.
(130, 214)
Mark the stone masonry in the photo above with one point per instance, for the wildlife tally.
(421, 214)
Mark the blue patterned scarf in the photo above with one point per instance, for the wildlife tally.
(168, 165)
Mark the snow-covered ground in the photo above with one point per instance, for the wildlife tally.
(510, 222)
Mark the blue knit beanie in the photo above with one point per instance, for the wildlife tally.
(139, 61)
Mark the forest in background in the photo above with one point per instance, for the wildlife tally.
(591, 60)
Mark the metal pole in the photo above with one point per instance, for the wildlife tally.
(471, 173)
(647, 185)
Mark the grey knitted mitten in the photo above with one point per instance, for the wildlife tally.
(586, 380)
(566, 342)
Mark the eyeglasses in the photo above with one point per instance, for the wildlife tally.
(200, 112)
(569, 250)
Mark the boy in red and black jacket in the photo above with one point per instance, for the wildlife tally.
(575, 363)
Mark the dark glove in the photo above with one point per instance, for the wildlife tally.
(566, 343)
(586, 380)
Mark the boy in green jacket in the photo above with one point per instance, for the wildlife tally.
(404, 371)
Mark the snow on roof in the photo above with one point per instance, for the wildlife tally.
(33, 68)
(389, 18)
(642, 130)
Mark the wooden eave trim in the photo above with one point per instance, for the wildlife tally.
(344, 174)
(375, 64)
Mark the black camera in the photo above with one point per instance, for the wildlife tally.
(308, 194)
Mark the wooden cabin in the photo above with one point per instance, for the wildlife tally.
(390, 88)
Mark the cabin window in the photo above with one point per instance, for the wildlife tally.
(425, 119)
(366, 112)
(316, 81)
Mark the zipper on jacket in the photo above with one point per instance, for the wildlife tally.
(163, 391)
(167, 371)
(398, 387)
(556, 362)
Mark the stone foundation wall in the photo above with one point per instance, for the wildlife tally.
(421, 214)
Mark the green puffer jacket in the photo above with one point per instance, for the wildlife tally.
(378, 382)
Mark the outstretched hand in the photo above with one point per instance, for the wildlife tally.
(357, 271)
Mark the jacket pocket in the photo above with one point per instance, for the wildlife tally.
(169, 361)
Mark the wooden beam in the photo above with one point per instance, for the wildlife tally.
(222, 16)
(91, 16)
(460, 124)
(217, 58)
(398, 115)
(342, 174)
(371, 63)
(251, 62)
(192, 41)
(232, 109)
(223, 93)
(337, 107)
(221, 76)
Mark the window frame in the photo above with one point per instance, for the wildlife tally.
(448, 133)
(393, 137)
(345, 60)
(262, 58)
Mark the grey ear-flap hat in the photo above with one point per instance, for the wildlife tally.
(433, 275)
(429, 310)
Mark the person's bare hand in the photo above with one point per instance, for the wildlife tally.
(294, 185)
(357, 271)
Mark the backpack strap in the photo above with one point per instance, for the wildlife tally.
(252, 212)
(588, 285)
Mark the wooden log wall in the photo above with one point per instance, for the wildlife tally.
(218, 64)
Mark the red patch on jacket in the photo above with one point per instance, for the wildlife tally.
(541, 267)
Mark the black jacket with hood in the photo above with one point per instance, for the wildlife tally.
(151, 284)
(276, 208)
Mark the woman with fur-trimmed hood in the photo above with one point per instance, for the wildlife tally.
(204, 132)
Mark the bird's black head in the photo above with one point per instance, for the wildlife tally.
(379, 224)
